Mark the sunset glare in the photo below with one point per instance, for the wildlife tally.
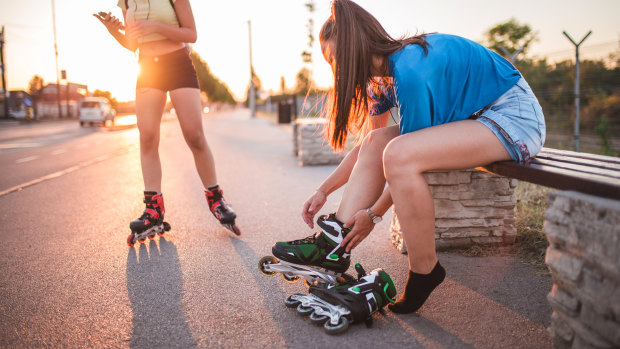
(279, 35)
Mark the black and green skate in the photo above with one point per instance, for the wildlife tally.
(321, 250)
(316, 258)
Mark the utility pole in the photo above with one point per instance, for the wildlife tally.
(511, 57)
(5, 93)
(252, 96)
(56, 52)
(577, 84)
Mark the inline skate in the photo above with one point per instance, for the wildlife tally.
(221, 210)
(336, 306)
(151, 221)
(318, 258)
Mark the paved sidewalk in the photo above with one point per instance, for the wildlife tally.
(485, 302)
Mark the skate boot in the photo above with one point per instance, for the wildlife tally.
(335, 307)
(152, 220)
(318, 258)
(221, 210)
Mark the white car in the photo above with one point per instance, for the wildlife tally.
(96, 110)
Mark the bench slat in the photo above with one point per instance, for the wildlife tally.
(577, 155)
(578, 167)
(584, 162)
(558, 178)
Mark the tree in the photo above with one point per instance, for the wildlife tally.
(108, 95)
(306, 56)
(304, 82)
(512, 36)
(216, 90)
(35, 85)
(258, 85)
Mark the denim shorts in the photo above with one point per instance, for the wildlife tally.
(517, 120)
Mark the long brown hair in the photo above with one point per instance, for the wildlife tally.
(358, 36)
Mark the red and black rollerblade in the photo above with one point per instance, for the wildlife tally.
(152, 220)
(221, 210)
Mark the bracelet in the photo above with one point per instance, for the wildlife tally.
(320, 191)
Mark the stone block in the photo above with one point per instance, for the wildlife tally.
(564, 265)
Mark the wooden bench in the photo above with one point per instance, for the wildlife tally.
(566, 170)
(582, 224)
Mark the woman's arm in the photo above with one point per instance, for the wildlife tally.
(186, 32)
(339, 177)
(114, 27)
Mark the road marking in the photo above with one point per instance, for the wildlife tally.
(67, 170)
(26, 159)
(19, 145)
(59, 151)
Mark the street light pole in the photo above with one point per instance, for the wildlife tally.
(577, 84)
(5, 91)
(252, 96)
(56, 52)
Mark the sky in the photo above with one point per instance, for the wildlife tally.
(279, 34)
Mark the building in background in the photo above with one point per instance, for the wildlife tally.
(47, 101)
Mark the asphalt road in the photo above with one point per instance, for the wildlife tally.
(67, 278)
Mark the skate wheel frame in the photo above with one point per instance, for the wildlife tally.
(263, 262)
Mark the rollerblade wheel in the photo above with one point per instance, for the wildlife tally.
(304, 311)
(291, 303)
(290, 279)
(130, 240)
(234, 228)
(340, 327)
(318, 319)
(263, 262)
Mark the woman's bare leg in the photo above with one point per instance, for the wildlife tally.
(367, 180)
(150, 104)
(187, 104)
(456, 145)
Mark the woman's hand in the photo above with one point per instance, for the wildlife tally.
(312, 207)
(142, 28)
(362, 226)
(111, 23)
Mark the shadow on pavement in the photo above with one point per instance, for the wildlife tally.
(155, 288)
(250, 260)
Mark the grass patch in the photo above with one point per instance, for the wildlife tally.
(531, 242)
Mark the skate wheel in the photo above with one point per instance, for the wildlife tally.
(291, 303)
(130, 240)
(151, 237)
(161, 233)
(290, 279)
(264, 261)
(318, 319)
(304, 311)
(308, 283)
(234, 228)
(142, 240)
(340, 327)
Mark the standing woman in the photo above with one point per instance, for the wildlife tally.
(159, 30)
(461, 106)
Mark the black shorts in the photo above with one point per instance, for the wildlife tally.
(167, 72)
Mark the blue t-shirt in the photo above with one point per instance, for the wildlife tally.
(457, 78)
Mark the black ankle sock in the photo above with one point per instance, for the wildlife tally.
(417, 290)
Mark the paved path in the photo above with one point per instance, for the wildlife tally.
(67, 279)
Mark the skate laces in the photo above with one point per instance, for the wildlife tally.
(313, 239)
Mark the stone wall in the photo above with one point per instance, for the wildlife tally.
(471, 207)
(584, 260)
(310, 144)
